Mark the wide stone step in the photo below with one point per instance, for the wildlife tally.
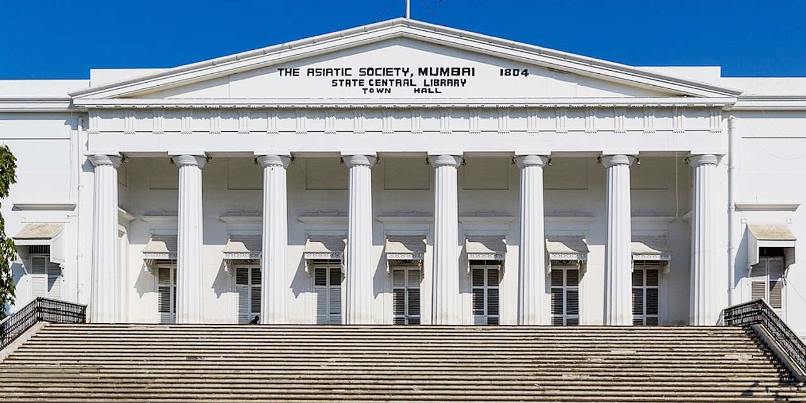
(123, 362)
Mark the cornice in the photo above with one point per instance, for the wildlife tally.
(358, 103)
(39, 206)
(60, 104)
(769, 102)
(755, 206)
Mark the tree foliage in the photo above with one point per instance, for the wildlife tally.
(8, 176)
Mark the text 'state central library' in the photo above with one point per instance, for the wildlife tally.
(407, 173)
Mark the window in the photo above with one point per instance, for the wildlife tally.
(247, 288)
(327, 287)
(166, 293)
(485, 279)
(46, 276)
(767, 280)
(564, 295)
(406, 295)
(645, 292)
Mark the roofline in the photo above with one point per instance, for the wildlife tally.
(403, 22)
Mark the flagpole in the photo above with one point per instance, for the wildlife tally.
(408, 9)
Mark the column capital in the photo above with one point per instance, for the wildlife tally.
(103, 159)
(531, 160)
(269, 160)
(445, 160)
(359, 160)
(617, 159)
(703, 159)
(189, 160)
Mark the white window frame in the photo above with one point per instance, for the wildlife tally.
(326, 291)
(485, 318)
(566, 318)
(46, 276)
(408, 270)
(171, 267)
(252, 290)
(643, 267)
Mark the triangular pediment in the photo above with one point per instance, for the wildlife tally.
(401, 59)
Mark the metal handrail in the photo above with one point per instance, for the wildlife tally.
(39, 310)
(758, 313)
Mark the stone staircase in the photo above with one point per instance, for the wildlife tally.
(98, 362)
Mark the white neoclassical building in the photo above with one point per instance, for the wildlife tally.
(409, 173)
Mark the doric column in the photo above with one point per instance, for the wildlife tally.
(190, 237)
(445, 284)
(274, 260)
(703, 243)
(532, 249)
(360, 268)
(618, 256)
(105, 286)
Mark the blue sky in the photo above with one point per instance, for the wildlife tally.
(65, 38)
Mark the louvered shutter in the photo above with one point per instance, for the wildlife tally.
(478, 296)
(165, 295)
(242, 293)
(775, 272)
(557, 297)
(492, 296)
(54, 281)
(758, 289)
(39, 281)
(255, 292)
(320, 292)
(413, 296)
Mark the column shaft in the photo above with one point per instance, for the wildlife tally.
(618, 256)
(274, 260)
(532, 249)
(703, 243)
(360, 267)
(445, 283)
(105, 286)
(190, 238)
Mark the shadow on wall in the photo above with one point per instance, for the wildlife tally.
(302, 280)
(380, 280)
(145, 281)
(223, 280)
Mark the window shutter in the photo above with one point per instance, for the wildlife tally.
(335, 303)
(320, 291)
(256, 300)
(54, 281)
(758, 289)
(775, 271)
(39, 281)
(242, 293)
(638, 301)
(414, 302)
(776, 293)
(166, 294)
(652, 300)
(492, 306)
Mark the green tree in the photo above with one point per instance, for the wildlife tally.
(8, 176)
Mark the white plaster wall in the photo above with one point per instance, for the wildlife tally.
(45, 145)
(771, 168)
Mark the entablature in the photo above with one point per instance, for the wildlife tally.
(570, 118)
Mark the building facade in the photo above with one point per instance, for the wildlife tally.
(408, 173)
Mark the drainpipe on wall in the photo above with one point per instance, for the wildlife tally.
(731, 208)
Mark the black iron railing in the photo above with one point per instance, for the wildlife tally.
(757, 314)
(39, 310)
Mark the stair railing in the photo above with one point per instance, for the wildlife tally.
(39, 310)
(760, 318)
